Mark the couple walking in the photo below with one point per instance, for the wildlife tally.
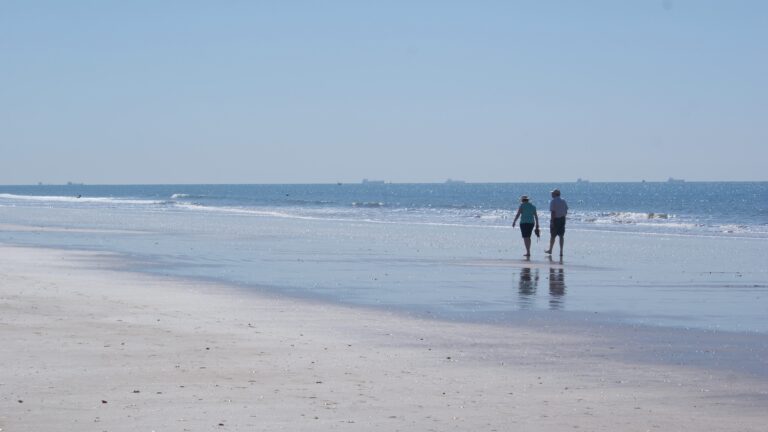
(529, 219)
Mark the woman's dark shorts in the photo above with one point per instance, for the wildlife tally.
(557, 227)
(526, 229)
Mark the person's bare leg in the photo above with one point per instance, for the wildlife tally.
(562, 240)
(527, 241)
(551, 244)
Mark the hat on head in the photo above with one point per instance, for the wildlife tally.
(524, 198)
(556, 192)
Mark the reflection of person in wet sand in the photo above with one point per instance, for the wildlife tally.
(528, 283)
(556, 288)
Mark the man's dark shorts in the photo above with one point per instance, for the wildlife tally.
(526, 229)
(557, 227)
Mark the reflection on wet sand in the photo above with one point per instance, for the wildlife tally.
(556, 287)
(529, 281)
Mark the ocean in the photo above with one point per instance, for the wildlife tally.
(681, 254)
(716, 208)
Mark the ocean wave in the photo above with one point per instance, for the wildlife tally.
(241, 211)
(743, 229)
(178, 196)
(335, 215)
(664, 223)
(658, 220)
(372, 204)
(309, 202)
(630, 222)
(382, 212)
(623, 217)
(79, 199)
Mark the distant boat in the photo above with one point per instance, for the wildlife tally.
(366, 181)
(581, 180)
(674, 180)
(455, 181)
(69, 183)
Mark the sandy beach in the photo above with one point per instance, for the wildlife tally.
(87, 347)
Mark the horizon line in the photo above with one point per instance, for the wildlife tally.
(386, 182)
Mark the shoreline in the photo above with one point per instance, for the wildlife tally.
(91, 347)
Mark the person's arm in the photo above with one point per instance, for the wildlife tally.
(551, 212)
(536, 216)
(516, 216)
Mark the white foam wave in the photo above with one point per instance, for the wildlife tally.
(672, 225)
(78, 199)
(743, 229)
(642, 223)
(242, 211)
(623, 217)
(373, 204)
(186, 195)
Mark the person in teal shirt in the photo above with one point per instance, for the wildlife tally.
(528, 219)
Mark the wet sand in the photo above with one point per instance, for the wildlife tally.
(88, 347)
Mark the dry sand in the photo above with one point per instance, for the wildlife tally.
(85, 347)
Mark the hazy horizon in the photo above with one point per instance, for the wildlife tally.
(446, 181)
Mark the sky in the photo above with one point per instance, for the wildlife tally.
(291, 91)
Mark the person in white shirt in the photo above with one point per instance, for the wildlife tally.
(558, 208)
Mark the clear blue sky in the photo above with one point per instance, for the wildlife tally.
(325, 91)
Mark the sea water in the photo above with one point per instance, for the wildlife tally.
(664, 254)
(684, 208)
